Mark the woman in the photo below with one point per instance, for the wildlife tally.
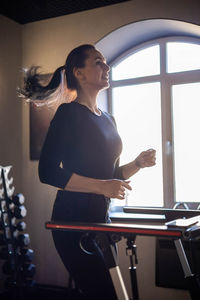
(80, 156)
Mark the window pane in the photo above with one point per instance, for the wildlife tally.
(186, 125)
(137, 111)
(182, 57)
(142, 63)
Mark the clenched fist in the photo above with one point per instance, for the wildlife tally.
(146, 159)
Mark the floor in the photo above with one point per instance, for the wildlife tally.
(41, 292)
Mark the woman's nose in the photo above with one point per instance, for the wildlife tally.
(107, 67)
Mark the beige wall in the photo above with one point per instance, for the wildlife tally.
(10, 106)
(47, 43)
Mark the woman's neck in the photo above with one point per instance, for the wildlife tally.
(89, 100)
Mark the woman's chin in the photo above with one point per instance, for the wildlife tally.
(105, 85)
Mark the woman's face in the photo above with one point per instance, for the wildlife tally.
(95, 73)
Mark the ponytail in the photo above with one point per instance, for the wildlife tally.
(34, 90)
(63, 85)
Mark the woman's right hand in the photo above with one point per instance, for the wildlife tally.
(115, 188)
(111, 188)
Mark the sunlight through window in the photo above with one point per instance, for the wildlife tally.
(143, 63)
(186, 124)
(138, 114)
(182, 57)
(157, 110)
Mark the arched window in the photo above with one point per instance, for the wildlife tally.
(154, 96)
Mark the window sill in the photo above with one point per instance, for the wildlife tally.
(149, 215)
(122, 217)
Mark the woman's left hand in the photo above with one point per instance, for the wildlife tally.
(146, 159)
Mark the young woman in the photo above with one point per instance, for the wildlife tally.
(80, 157)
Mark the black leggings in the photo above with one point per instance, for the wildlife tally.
(82, 255)
(84, 260)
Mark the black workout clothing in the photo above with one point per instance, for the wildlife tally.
(78, 141)
(85, 144)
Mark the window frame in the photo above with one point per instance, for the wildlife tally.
(167, 80)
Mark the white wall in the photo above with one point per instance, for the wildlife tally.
(47, 43)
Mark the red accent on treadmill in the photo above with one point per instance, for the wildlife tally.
(142, 231)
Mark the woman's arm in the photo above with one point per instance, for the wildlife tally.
(145, 159)
(112, 188)
(49, 168)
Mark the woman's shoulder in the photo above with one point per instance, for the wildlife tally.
(64, 107)
(110, 117)
(63, 112)
(68, 107)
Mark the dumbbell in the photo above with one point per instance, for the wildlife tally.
(23, 240)
(28, 270)
(18, 212)
(11, 283)
(18, 199)
(27, 254)
(23, 254)
(6, 252)
(21, 226)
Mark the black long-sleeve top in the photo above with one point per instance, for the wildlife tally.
(78, 141)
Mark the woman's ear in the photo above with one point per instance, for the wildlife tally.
(78, 73)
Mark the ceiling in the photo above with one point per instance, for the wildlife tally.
(26, 11)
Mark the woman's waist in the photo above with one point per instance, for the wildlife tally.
(85, 195)
(78, 206)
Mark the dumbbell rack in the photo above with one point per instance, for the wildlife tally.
(13, 244)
